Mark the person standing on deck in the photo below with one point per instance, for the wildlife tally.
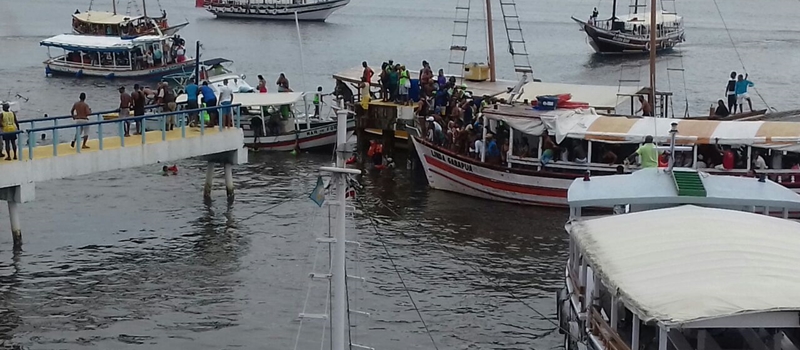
(192, 91)
(384, 78)
(730, 93)
(139, 103)
(404, 85)
(283, 84)
(646, 108)
(741, 92)
(367, 73)
(317, 100)
(10, 124)
(394, 78)
(80, 113)
(168, 99)
(262, 84)
(210, 100)
(125, 105)
(226, 99)
(648, 153)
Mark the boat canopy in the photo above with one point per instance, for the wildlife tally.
(656, 188)
(597, 96)
(615, 129)
(215, 61)
(685, 264)
(261, 100)
(74, 42)
(643, 18)
(102, 17)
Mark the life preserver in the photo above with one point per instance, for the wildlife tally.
(273, 11)
(647, 46)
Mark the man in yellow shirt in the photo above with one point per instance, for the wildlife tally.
(10, 126)
(648, 154)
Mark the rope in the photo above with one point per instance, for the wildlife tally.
(397, 271)
(479, 271)
(737, 52)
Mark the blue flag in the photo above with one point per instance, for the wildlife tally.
(318, 194)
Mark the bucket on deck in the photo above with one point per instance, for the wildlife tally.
(546, 102)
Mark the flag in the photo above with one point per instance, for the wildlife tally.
(318, 194)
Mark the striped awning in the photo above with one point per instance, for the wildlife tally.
(690, 132)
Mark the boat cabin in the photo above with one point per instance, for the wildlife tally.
(689, 262)
(582, 140)
(111, 54)
(639, 23)
(111, 24)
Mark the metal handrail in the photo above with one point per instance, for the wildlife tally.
(183, 114)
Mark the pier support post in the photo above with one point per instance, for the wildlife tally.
(209, 180)
(16, 232)
(229, 181)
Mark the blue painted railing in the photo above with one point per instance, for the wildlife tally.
(181, 122)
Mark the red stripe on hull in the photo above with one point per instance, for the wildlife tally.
(505, 198)
(495, 184)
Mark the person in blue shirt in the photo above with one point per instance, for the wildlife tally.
(492, 151)
(192, 91)
(210, 99)
(741, 93)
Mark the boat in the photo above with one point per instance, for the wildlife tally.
(296, 130)
(110, 57)
(687, 260)
(630, 34)
(214, 71)
(275, 10)
(523, 178)
(120, 25)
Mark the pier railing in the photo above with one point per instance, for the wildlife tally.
(181, 121)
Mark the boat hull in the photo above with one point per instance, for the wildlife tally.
(58, 68)
(320, 136)
(615, 42)
(449, 172)
(307, 12)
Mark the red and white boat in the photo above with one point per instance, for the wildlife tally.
(522, 179)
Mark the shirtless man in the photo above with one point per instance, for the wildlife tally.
(80, 113)
(125, 105)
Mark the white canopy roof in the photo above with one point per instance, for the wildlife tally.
(260, 100)
(103, 17)
(97, 43)
(597, 96)
(652, 186)
(689, 263)
(643, 18)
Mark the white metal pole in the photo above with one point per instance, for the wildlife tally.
(635, 332)
(484, 126)
(510, 152)
(302, 61)
(339, 326)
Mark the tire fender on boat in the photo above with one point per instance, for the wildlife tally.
(647, 46)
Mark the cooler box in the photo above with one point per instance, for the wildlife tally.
(413, 92)
(547, 102)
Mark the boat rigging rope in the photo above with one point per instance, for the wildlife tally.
(481, 273)
(397, 270)
(737, 53)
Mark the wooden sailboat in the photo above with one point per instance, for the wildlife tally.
(121, 25)
(630, 34)
(272, 10)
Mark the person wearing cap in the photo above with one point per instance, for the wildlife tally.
(10, 125)
(125, 105)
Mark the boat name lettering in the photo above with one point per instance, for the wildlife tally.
(617, 37)
(454, 162)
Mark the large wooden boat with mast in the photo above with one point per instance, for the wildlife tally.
(123, 25)
(630, 34)
(275, 10)
(549, 147)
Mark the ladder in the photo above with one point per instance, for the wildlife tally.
(458, 45)
(629, 75)
(516, 42)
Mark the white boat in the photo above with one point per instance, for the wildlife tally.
(110, 57)
(215, 71)
(274, 122)
(690, 261)
(276, 10)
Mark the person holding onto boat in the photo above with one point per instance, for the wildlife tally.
(10, 125)
(648, 153)
(646, 108)
(741, 92)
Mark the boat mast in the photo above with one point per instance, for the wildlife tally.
(614, 11)
(653, 35)
(144, 8)
(114, 5)
(490, 34)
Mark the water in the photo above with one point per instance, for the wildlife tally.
(127, 259)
